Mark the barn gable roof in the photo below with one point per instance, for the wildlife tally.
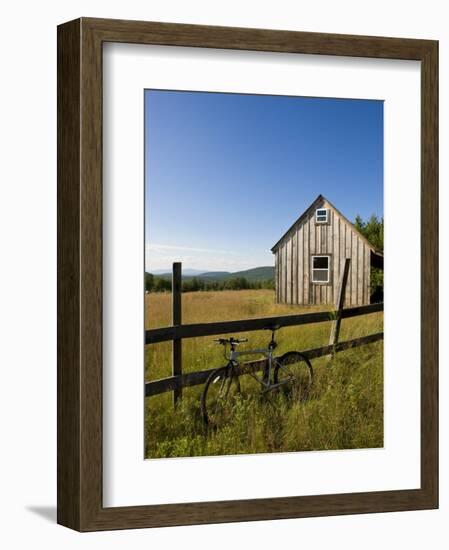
(312, 207)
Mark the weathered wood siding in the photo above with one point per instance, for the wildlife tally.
(339, 240)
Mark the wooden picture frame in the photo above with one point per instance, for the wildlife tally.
(80, 503)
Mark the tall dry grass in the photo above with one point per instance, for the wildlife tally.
(344, 411)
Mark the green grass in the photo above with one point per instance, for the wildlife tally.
(345, 409)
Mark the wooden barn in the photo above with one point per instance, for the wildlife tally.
(309, 258)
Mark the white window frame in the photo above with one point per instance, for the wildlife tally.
(321, 210)
(328, 269)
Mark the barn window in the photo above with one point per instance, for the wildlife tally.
(321, 215)
(320, 269)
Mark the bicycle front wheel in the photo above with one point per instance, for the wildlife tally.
(294, 374)
(218, 398)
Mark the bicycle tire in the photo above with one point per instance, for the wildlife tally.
(217, 397)
(294, 372)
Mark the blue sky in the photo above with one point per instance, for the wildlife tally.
(227, 174)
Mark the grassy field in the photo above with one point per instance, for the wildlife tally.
(344, 411)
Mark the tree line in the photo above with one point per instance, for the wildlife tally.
(153, 283)
(373, 230)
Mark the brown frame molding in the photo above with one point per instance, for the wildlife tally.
(80, 274)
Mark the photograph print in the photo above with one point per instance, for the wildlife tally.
(263, 283)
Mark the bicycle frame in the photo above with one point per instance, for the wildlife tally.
(226, 375)
(266, 352)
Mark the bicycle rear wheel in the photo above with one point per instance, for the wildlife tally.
(294, 372)
(218, 398)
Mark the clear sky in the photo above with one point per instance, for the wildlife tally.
(227, 174)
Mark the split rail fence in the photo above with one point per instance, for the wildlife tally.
(178, 332)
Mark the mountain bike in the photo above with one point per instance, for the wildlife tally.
(290, 373)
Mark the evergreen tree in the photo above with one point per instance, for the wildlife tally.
(373, 231)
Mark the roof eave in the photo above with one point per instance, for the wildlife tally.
(276, 245)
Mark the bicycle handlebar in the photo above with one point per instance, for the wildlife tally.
(231, 341)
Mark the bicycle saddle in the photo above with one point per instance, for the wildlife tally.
(272, 327)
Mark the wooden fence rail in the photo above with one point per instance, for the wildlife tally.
(165, 334)
(199, 377)
(178, 331)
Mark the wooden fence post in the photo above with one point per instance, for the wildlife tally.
(177, 320)
(339, 303)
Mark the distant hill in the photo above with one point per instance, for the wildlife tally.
(213, 275)
(255, 274)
